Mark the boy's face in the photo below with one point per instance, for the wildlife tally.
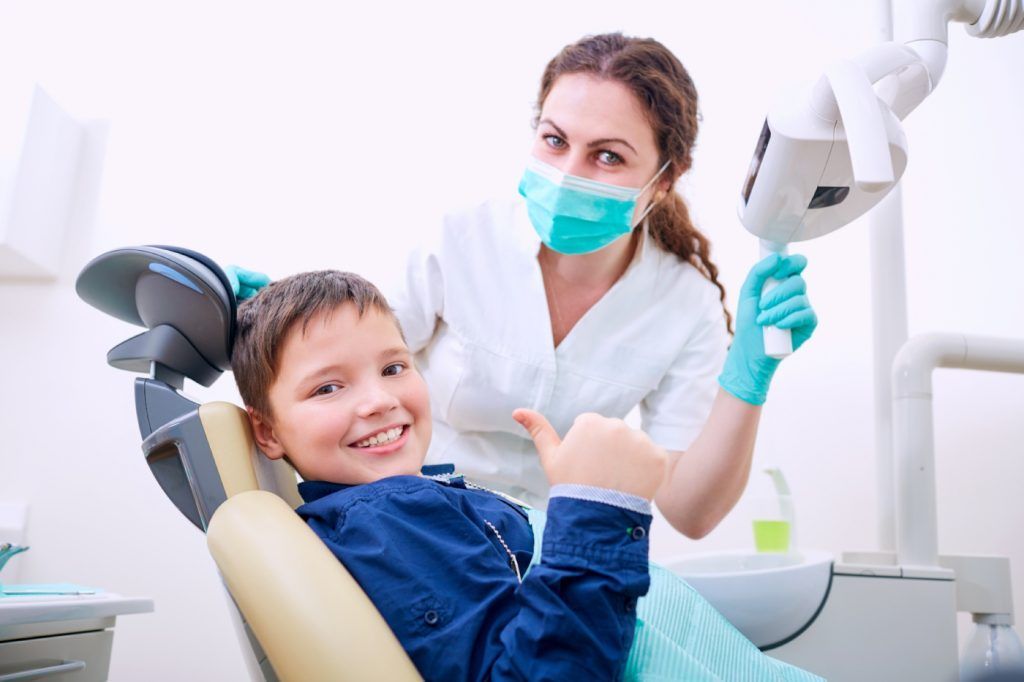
(348, 405)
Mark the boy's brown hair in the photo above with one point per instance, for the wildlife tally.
(265, 319)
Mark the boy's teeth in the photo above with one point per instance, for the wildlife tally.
(381, 438)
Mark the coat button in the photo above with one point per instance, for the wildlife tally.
(638, 533)
(431, 617)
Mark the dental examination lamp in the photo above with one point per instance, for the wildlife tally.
(833, 151)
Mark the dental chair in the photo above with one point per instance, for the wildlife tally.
(303, 614)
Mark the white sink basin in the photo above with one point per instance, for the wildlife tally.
(768, 597)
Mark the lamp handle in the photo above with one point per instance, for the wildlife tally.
(778, 343)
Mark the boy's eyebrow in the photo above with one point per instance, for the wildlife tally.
(394, 351)
(319, 373)
(591, 145)
(327, 370)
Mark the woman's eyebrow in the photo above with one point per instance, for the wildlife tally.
(561, 133)
(590, 145)
(605, 140)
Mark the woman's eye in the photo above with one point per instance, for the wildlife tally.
(609, 158)
(393, 370)
(554, 141)
(327, 389)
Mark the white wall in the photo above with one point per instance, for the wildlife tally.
(308, 135)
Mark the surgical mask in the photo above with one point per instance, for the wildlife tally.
(574, 215)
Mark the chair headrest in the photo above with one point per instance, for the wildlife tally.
(182, 297)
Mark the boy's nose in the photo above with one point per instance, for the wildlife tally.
(377, 400)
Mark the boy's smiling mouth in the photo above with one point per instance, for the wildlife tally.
(384, 437)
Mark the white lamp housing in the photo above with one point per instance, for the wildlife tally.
(831, 152)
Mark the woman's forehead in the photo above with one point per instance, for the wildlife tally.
(591, 108)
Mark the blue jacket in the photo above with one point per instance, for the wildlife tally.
(423, 552)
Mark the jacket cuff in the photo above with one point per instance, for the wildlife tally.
(596, 532)
(615, 498)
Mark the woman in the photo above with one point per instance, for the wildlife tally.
(594, 292)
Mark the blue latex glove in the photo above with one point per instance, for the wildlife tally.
(245, 283)
(748, 371)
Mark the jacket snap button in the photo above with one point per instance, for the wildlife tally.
(638, 533)
(431, 617)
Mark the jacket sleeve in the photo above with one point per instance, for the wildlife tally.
(577, 607)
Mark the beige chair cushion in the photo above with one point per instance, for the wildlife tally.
(241, 466)
(310, 615)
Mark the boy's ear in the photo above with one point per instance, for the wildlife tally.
(263, 433)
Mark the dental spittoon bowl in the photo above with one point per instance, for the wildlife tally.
(768, 597)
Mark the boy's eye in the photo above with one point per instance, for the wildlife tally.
(609, 158)
(554, 141)
(393, 369)
(327, 389)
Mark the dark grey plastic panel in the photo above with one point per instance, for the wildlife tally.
(156, 403)
(166, 346)
(181, 460)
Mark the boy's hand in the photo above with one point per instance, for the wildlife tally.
(597, 451)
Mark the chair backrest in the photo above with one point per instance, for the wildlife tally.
(304, 615)
(239, 463)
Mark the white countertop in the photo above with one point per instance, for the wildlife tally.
(44, 608)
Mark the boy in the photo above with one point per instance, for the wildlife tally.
(330, 385)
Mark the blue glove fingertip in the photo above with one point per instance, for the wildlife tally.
(791, 265)
(232, 278)
(256, 280)
(767, 265)
(758, 275)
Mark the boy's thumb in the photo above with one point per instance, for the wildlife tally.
(543, 434)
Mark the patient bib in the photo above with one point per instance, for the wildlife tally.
(680, 636)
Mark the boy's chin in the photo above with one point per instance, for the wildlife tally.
(411, 468)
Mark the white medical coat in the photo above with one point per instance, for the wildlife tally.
(474, 311)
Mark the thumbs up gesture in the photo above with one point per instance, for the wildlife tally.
(597, 451)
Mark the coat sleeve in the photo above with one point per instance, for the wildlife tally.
(418, 301)
(676, 411)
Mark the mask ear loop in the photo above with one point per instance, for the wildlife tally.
(650, 205)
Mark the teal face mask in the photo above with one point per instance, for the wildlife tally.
(574, 215)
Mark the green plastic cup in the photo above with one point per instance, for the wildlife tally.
(771, 535)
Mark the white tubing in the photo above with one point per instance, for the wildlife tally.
(916, 526)
(929, 19)
(933, 56)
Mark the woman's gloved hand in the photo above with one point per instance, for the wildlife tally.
(245, 283)
(748, 371)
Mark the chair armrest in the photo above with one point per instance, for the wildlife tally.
(308, 613)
